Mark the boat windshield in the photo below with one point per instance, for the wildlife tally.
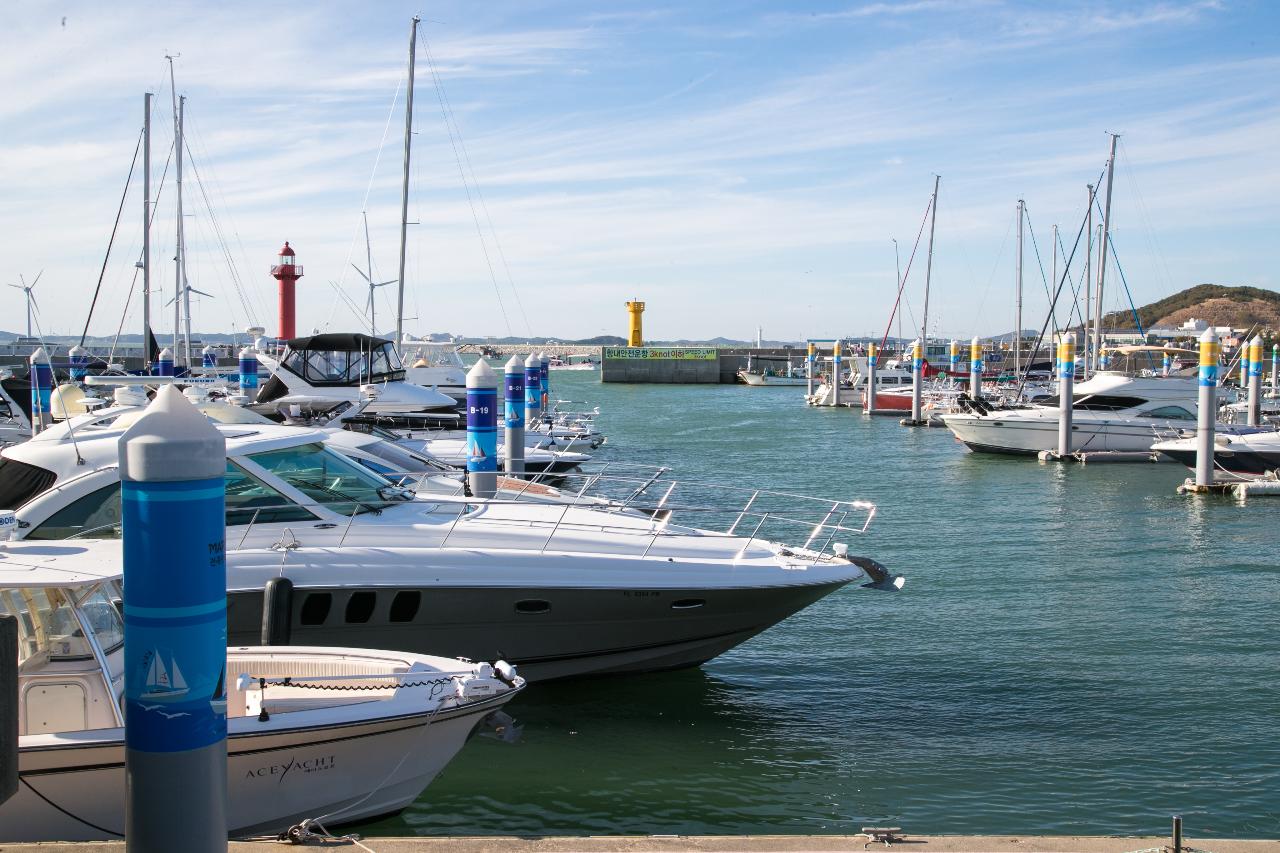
(327, 367)
(331, 479)
(1105, 402)
(48, 628)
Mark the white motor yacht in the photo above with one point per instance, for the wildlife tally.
(560, 588)
(437, 365)
(321, 371)
(1111, 411)
(1239, 455)
(335, 734)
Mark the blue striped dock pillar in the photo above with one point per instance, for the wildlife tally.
(955, 358)
(482, 430)
(173, 496)
(532, 391)
(975, 368)
(1104, 359)
(41, 379)
(164, 362)
(79, 363)
(513, 417)
(1255, 381)
(1208, 407)
(249, 373)
(544, 376)
(208, 358)
(1164, 365)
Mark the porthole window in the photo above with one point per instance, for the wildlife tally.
(360, 606)
(405, 605)
(315, 609)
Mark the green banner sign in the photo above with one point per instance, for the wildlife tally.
(649, 353)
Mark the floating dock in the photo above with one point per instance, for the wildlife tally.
(724, 844)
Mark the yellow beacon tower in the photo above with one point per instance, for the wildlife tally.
(635, 338)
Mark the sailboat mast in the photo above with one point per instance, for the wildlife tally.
(1053, 309)
(928, 270)
(368, 255)
(1088, 277)
(1102, 252)
(186, 288)
(404, 189)
(1017, 320)
(146, 229)
(178, 106)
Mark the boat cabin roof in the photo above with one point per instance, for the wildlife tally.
(64, 563)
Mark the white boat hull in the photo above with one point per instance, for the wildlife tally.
(1030, 434)
(279, 772)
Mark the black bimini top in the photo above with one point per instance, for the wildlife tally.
(342, 359)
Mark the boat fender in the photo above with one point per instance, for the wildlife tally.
(505, 672)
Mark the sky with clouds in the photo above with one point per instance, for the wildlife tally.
(731, 164)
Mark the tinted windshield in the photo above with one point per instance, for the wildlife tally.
(331, 479)
(47, 625)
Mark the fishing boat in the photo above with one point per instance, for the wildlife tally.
(669, 574)
(336, 734)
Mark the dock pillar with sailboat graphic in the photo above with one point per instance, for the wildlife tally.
(173, 498)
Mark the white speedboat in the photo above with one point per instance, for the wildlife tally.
(437, 365)
(322, 371)
(560, 588)
(1239, 455)
(1111, 412)
(332, 733)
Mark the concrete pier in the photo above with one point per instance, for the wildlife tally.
(728, 844)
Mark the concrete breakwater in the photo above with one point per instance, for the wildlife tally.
(688, 365)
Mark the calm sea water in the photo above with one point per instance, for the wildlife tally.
(1076, 650)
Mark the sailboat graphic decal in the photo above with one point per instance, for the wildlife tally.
(164, 682)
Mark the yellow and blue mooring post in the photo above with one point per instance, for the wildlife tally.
(532, 391)
(482, 430)
(1066, 387)
(810, 364)
(835, 374)
(1255, 381)
(1208, 408)
(975, 368)
(513, 416)
(917, 380)
(869, 387)
(954, 368)
(1164, 365)
(173, 496)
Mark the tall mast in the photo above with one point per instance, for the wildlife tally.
(1102, 252)
(146, 229)
(368, 255)
(177, 240)
(185, 291)
(1017, 320)
(1053, 310)
(928, 270)
(1088, 278)
(404, 189)
(897, 265)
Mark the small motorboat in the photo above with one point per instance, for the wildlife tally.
(334, 734)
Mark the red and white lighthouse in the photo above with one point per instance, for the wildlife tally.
(287, 272)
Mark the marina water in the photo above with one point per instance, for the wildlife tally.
(1076, 650)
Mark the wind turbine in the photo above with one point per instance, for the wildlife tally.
(31, 297)
(368, 276)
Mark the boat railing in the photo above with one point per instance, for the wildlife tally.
(658, 514)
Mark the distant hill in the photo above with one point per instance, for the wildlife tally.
(1238, 307)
